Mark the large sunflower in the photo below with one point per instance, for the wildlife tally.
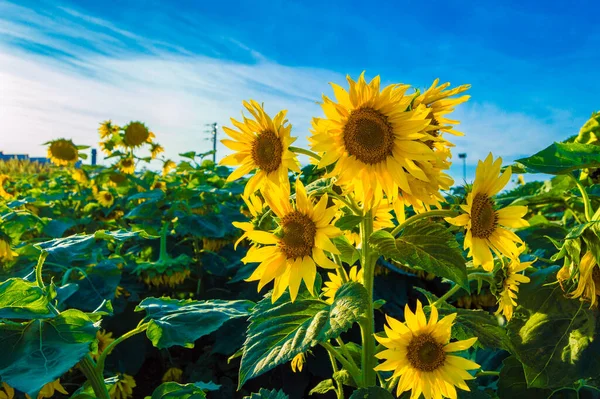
(510, 286)
(62, 152)
(263, 144)
(291, 254)
(136, 134)
(418, 352)
(373, 137)
(485, 224)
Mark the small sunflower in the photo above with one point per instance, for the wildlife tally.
(292, 253)
(3, 193)
(168, 166)
(63, 152)
(173, 374)
(335, 282)
(587, 277)
(484, 223)
(79, 176)
(297, 362)
(123, 387)
(418, 352)
(155, 150)
(108, 129)
(49, 390)
(261, 144)
(105, 198)
(136, 134)
(373, 138)
(510, 286)
(127, 165)
(6, 252)
(104, 338)
(159, 185)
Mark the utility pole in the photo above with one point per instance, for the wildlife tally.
(463, 156)
(213, 132)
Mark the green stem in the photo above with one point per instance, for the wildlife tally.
(353, 370)
(587, 207)
(112, 345)
(487, 373)
(419, 216)
(346, 353)
(446, 295)
(38, 269)
(164, 255)
(367, 325)
(340, 388)
(94, 377)
(346, 202)
(340, 269)
(299, 150)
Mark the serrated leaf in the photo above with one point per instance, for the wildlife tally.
(173, 390)
(554, 337)
(562, 158)
(20, 299)
(38, 352)
(279, 331)
(323, 387)
(266, 394)
(182, 322)
(371, 393)
(425, 246)
(348, 252)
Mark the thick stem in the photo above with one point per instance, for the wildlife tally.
(447, 295)
(38, 269)
(299, 150)
(112, 345)
(419, 216)
(94, 377)
(367, 325)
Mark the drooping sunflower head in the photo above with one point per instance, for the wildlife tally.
(486, 226)
(587, 276)
(260, 144)
(156, 149)
(373, 137)
(293, 250)
(419, 352)
(122, 387)
(104, 339)
(105, 198)
(510, 279)
(335, 282)
(168, 166)
(136, 134)
(3, 193)
(62, 152)
(6, 252)
(127, 165)
(108, 129)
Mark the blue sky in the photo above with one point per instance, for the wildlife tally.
(67, 65)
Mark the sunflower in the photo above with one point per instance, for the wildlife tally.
(256, 208)
(3, 193)
(6, 391)
(418, 352)
(62, 152)
(484, 223)
(6, 252)
(127, 165)
(159, 185)
(168, 166)
(156, 149)
(297, 362)
(123, 387)
(261, 144)
(105, 198)
(173, 374)
(49, 389)
(373, 137)
(588, 278)
(104, 340)
(289, 256)
(108, 146)
(136, 134)
(335, 282)
(108, 129)
(79, 176)
(510, 286)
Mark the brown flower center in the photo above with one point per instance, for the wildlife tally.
(484, 217)
(369, 136)
(267, 150)
(108, 197)
(136, 134)
(299, 233)
(64, 151)
(425, 353)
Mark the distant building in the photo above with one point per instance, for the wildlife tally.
(41, 160)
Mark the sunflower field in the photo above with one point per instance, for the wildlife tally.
(354, 268)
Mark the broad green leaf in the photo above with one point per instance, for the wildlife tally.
(425, 246)
(562, 158)
(57, 227)
(172, 390)
(37, 352)
(348, 222)
(371, 393)
(97, 285)
(553, 336)
(323, 387)
(266, 394)
(349, 253)
(182, 322)
(20, 299)
(512, 382)
(280, 331)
